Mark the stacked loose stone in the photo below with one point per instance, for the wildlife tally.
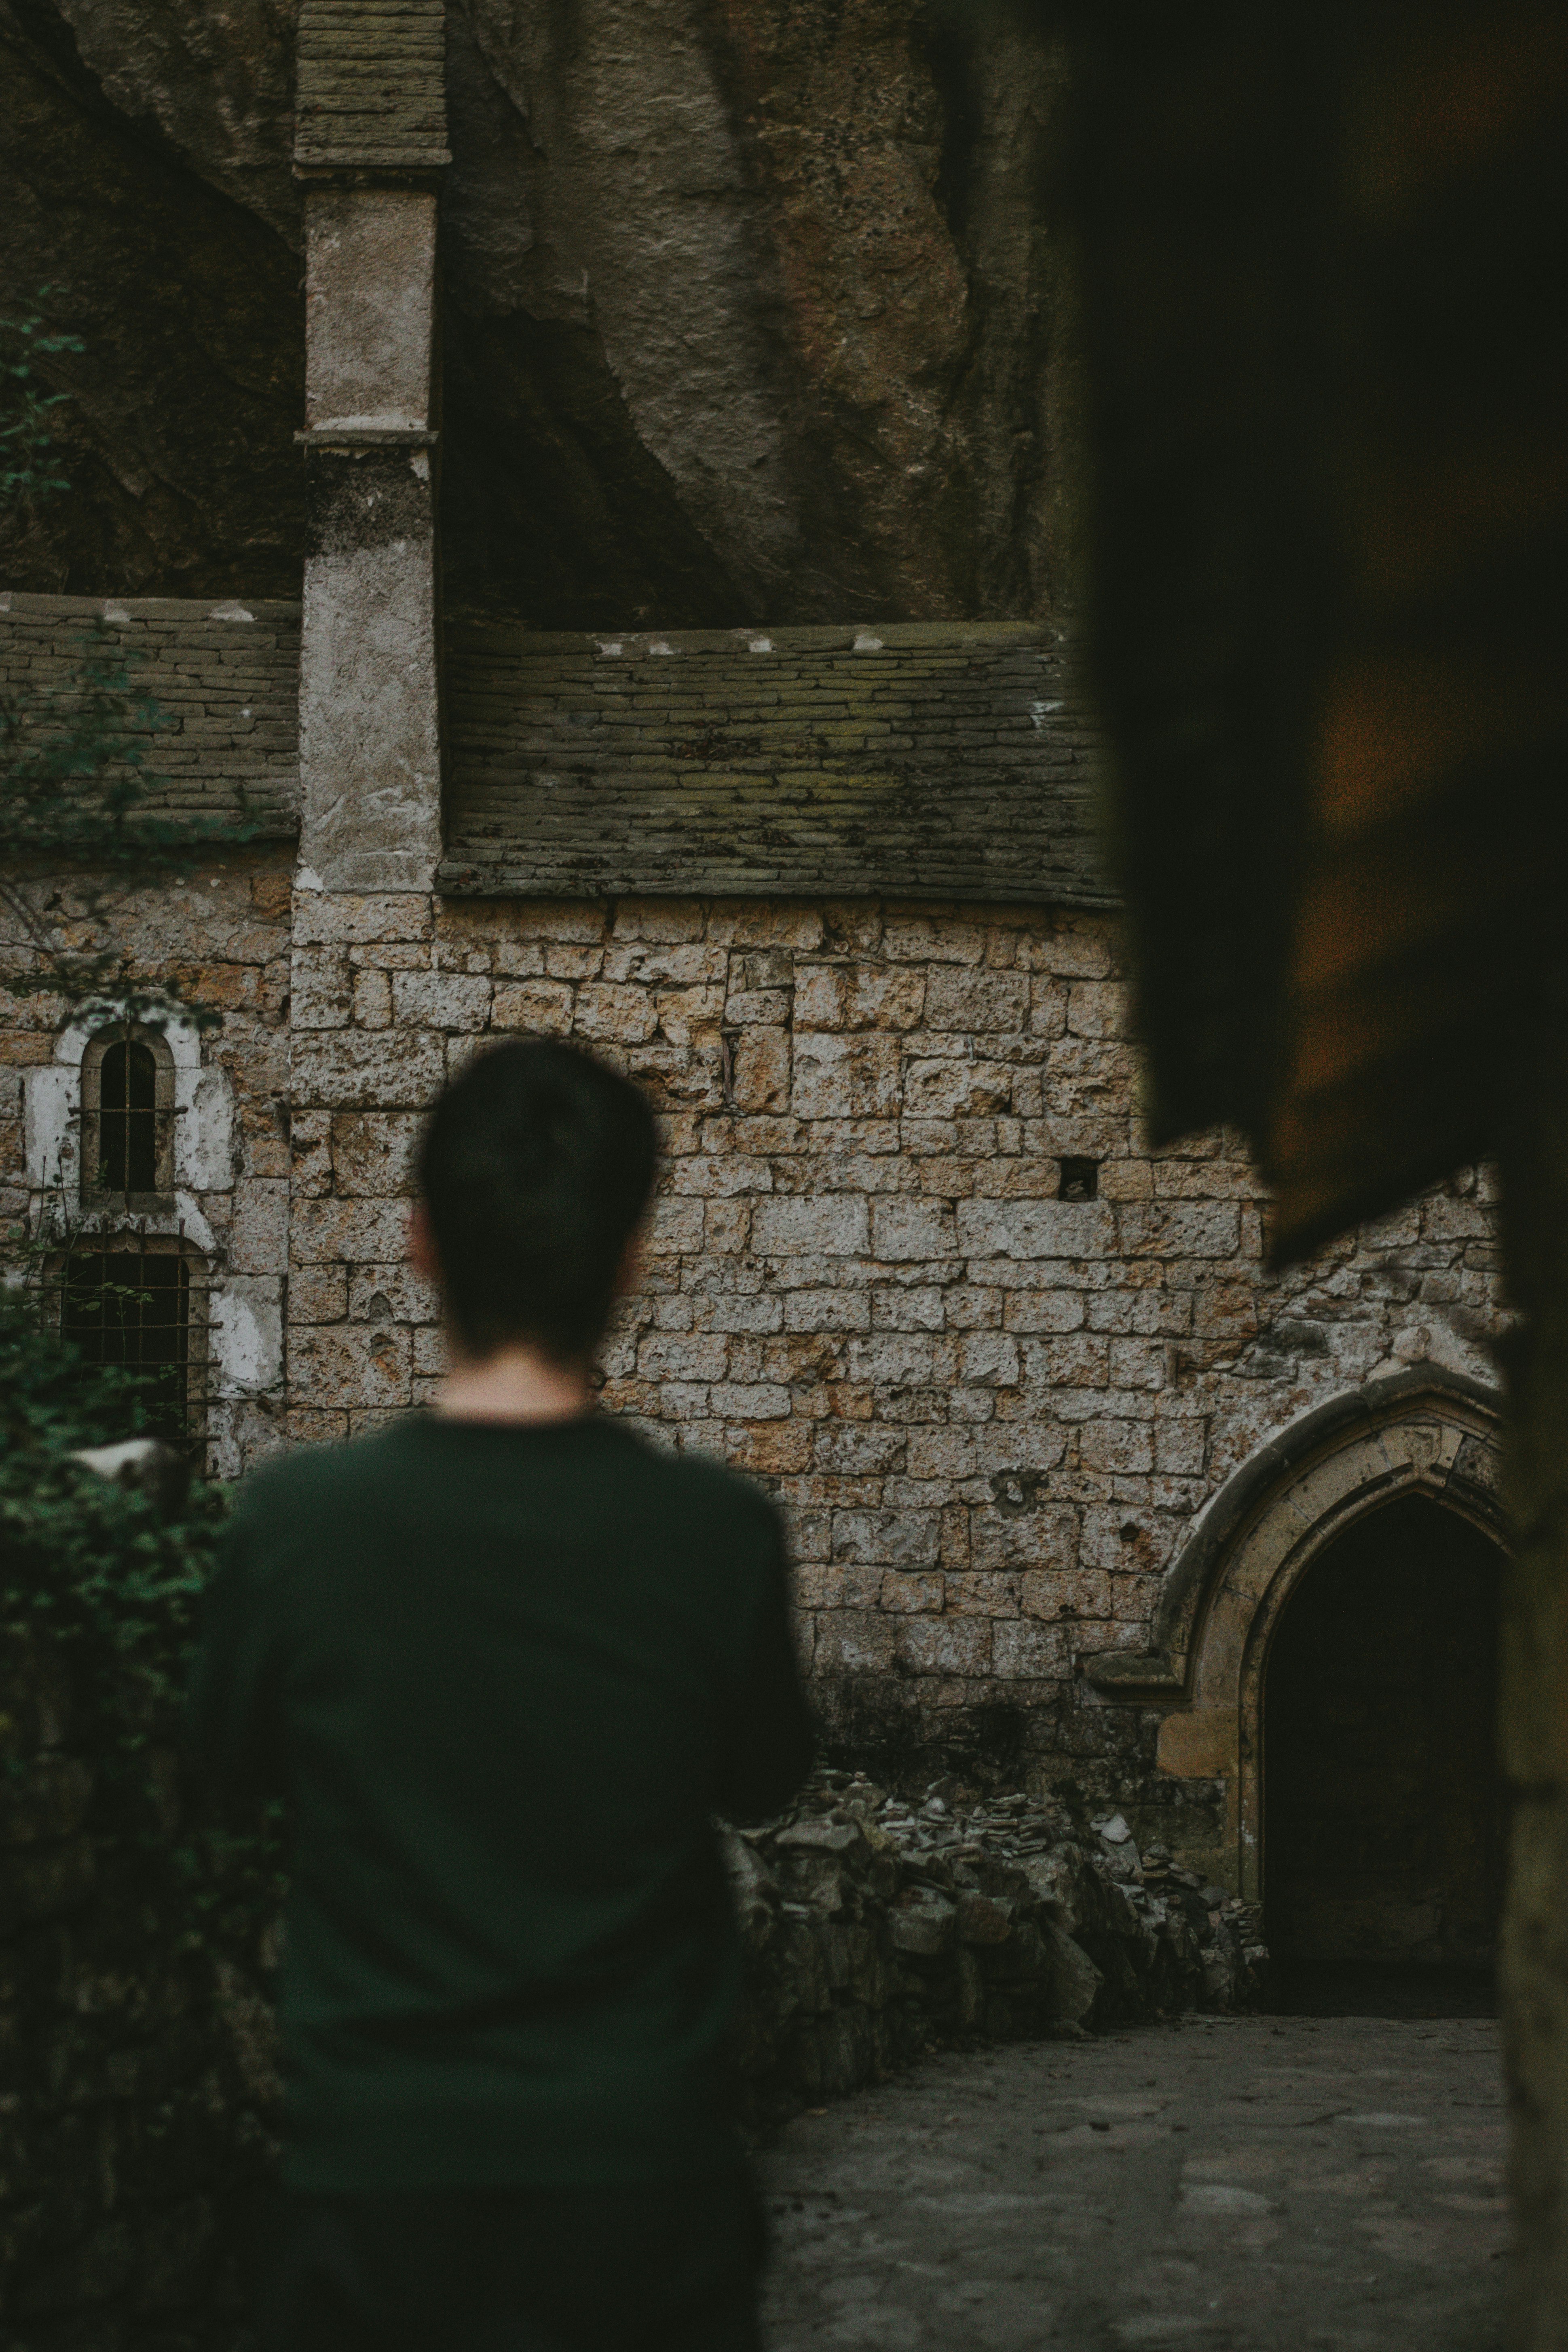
(876, 1929)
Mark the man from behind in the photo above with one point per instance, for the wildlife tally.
(504, 1661)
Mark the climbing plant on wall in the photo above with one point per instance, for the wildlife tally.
(100, 1583)
(78, 820)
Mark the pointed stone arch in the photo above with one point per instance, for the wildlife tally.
(1423, 1431)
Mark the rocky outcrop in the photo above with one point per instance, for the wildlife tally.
(875, 1929)
(750, 310)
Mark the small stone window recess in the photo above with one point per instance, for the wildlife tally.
(1078, 1181)
(136, 1301)
(128, 1120)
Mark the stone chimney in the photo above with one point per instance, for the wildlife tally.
(370, 143)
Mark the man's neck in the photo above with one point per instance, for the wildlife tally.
(515, 1384)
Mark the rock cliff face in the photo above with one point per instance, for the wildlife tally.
(751, 305)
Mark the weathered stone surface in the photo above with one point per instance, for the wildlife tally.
(751, 314)
(1262, 2182)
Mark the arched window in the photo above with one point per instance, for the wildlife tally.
(128, 1120)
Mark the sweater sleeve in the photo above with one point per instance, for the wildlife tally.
(233, 1714)
(772, 1742)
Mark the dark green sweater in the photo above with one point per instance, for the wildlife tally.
(503, 1678)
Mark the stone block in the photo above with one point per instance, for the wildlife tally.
(1043, 1538)
(899, 1540)
(258, 1236)
(759, 1314)
(356, 1069)
(761, 1070)
(320, 988)
(976, 1003)
(765, 923)
(981, 1592)
(325, 1232)
(897, 1360)
(319, 1294)
(1073, 1595)
(618, 1014)
(374, 1153)
(1034, 1311)
(933, 938)
(573, 961)
(826, 1310)
(359, 1366)
(441, 1000)
(1097, 1008)
(956, 1088)
(1116, 1446)
(917, 1308)
(341, 917)
(390, 1294)
(690, 964)
(541, 1008)
(853, 1640)
(905, 1228)
(1026, 1648)
(943, 1646)
(371, 999)
(904, 1594)
(1036, 1229)
(846, 1077)
(829, 1225)
(1180, 1229)
(988, 1359)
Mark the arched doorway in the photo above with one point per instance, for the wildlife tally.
(1424, 1435)
(1381, 1798)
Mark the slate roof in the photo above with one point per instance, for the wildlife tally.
(225, 677)
(944, 759)
(369, 89)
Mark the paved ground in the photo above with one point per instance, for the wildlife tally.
(1294, 2184)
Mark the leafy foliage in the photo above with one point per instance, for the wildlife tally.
(92, 1571)
(75, 788)
(29, 470)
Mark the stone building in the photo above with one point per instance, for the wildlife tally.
(1056, 1449)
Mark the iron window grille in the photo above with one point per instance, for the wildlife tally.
(128, 1120)
(140, 1302)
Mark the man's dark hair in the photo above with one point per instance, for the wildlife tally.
(535, 1167)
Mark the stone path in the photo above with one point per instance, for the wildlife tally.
(1269, 2184)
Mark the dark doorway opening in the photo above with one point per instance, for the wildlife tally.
(1383, 1815)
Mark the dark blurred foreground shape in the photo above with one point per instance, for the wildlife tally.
(1324, 253)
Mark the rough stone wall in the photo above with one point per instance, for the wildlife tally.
(992, 1413)
(750, 313)
(217, 939)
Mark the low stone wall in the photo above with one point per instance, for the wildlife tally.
(137, 2077)
(876, 1928)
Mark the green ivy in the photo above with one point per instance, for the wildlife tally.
(29, 470)
(76, 795)
(91, 1571)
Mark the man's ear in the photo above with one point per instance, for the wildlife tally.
(422, 1254)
